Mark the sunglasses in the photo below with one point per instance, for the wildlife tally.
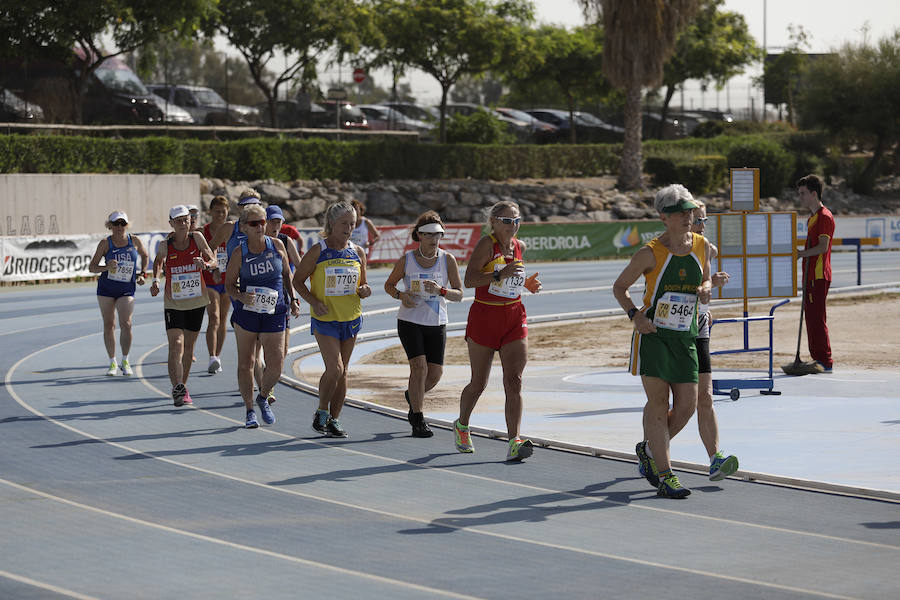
(257, 223)
(120, 223)
(509, 220)
(701, 220)
(181, 220)
(430, 234)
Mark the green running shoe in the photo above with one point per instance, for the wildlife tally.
(722, 466)
(670, 487)
(519, 449)
(463, 439)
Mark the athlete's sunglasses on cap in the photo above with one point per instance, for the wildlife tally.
(257, 223)
(701, 220)
(509, 220)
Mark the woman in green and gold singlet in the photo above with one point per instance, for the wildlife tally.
(675, 267)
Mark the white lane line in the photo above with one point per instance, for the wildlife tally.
(442, 472)
(239, 423)
(233, 545)
(45, 586)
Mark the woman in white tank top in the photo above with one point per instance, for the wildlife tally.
(431, 277)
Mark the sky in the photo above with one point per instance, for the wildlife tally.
(830, 23)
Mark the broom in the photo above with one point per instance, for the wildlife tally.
(798, 367)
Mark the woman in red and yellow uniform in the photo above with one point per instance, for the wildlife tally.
(497, 323)
(182, 257)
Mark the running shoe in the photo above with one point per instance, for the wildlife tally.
(271, 397)
(113, 368)
(251, 423)
(215, 365)
(519, 449)
(824, 368)
(463, 439)
(267, 415)
(126, 368)
(722, 466)
(646, 465)
(333, 428)
(420, 428)
(320, 421)
(178, 394)
(670, 487)
(187, 397)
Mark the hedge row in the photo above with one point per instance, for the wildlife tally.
(284, 160)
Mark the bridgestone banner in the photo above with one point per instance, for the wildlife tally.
(57, 257)
(458, 240)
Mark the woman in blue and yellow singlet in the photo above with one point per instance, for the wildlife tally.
(675, 267)
(336, 268)
(497, 323)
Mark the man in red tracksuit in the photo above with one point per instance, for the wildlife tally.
(816, 269)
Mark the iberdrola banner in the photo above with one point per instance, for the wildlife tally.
(564, 241)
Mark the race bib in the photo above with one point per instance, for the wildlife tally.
(264, 300)
(186, 286)
(124, 271)
(417, 285)
(222, 260)
(675, 311)
(341, 281)
(511, 287)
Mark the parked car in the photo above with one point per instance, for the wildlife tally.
(115, 94)
(541, 132)
(206, 106)
(350, 117)
(382, 118)
(428, 114)
(15, 110)
(588, 128)
(172, 113)
(292, 114)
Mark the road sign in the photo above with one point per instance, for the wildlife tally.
(359, 75)
(337, 94)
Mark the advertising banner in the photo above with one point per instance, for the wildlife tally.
(38, 258)
(458, 240)
(567, 241)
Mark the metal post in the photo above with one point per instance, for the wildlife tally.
(858, 262)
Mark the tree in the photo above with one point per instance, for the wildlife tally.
(567, 61)
(640, 36)
(53, 29)
(302, 30)
(715, 46)
(451, 38)
(854, 92)
(782, 74)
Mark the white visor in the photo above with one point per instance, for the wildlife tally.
(431, 228)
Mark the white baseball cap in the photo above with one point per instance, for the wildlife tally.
(118, 215)
(192, 208)
(179, 210)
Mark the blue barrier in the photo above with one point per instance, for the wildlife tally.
(732, 387)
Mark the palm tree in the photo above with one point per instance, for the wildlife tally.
(639, 37)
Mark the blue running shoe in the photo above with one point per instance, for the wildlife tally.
(646, 465)
(252, 423)
(670, 487)
(320, 421)
(722, 466)
(824, 368)
(334, 429)
(267, 415)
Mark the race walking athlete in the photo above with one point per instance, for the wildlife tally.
(217, 309)
(497, 322)
(365, 234)
(274, 225)
(182, 257)
(720, 465)
(430, 278)
(336, 268)
(125, 265)
(259, 280)
(675, 266)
